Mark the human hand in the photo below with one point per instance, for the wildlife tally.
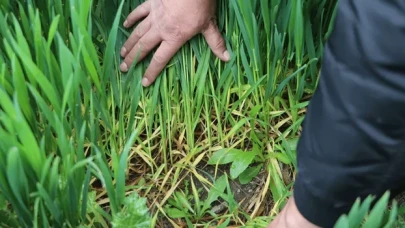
(170, 23)
(290, 217)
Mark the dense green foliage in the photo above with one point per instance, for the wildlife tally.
(77, 136)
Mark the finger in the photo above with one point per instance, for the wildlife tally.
(135, 36)
(216, 41)
(159, 61)
(139, 12)
(149, 41)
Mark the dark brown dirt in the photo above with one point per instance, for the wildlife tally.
(400, 199)
(243, 193)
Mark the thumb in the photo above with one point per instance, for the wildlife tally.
(216, 41)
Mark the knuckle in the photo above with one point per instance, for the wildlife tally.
(171, 30)
(219, 44)
(142, 45)
(142, 8)
(177, 34)
(207, 28)
(138, 32)
(210, 27)
(159, 59)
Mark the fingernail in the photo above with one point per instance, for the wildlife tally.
(123, 51)
(124, 67)
(226, 56)
(145, 82)
(125, 23)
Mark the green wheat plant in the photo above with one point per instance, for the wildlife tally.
(58, 125)
(84, 145)
(363, 214)
(371, 212)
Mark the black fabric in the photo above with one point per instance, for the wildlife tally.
(353, 139)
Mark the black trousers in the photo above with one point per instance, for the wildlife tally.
(353, 140)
